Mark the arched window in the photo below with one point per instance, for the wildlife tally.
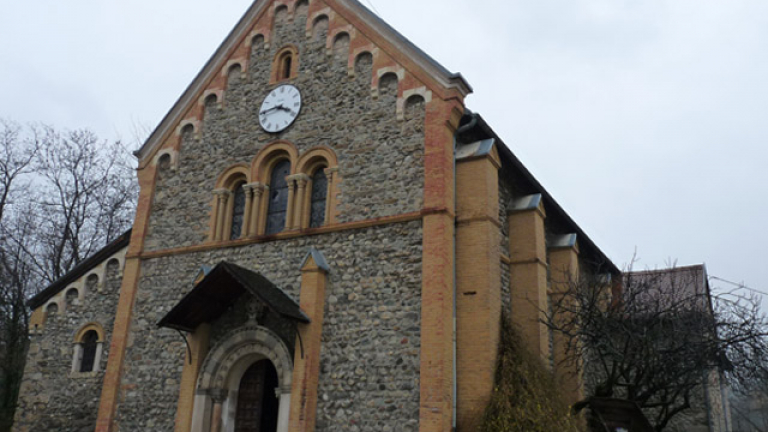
(317, 170)
(285, 64)
(230, 207)
(71, 297)
(278, 197)
(88, 349)
(89, 344)
(319, 196)
(52, 309)
(238, 211)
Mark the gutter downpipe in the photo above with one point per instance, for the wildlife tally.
(472, 123)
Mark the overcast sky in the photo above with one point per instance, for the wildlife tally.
(645, 119)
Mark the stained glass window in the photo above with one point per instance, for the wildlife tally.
(278, 197)
(238, 212)
(319, 194)
(90, 342)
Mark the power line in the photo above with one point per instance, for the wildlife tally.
(373, 7)
(739, 285)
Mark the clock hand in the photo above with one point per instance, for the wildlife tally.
(271, 109)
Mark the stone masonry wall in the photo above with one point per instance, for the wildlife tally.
(369, 378)
(505, 202)
(52, 398)
(381, 158)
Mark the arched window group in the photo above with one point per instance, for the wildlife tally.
(279, 192)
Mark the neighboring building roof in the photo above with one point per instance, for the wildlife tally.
(692, 277)
(474, 129)
(220, 289)
(243, 27)
(677, 284)
(80, 270)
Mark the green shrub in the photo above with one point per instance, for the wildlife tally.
(525, 396)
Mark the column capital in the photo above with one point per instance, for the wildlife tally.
(254, 186)
(298, 177)
(218, 395)
(222, 192)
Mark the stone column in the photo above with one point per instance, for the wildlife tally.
(216, 417)
(246, 230)
(564, 261)
(218, 396)
(330, 197)
(257, 212)
(214, 217)
(302, 180)
(528, 271)
(229, 198)
(97, 358)
(291, 179)
(284, 410)
(478, 284)
(303, 400)
(222, 196)
(78, 354)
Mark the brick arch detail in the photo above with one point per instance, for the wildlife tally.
(268, 156)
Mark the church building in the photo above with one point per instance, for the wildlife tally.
(325, 240)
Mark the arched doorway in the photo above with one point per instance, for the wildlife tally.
(254, 360)
(257, 403)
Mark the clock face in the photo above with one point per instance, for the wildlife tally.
(280, 108)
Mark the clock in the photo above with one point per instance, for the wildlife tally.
(280, 108)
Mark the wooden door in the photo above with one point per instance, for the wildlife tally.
(257, 403)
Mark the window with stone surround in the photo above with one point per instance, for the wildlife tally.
(229, 209)
(315, 182)
(88, 349)
(285, 65)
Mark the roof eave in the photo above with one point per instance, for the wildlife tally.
(449, 80)
(173, 116)
(80, 270)
(553, 208)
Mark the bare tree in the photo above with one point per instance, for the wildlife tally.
(654, 340)
(16, 158)
(63, 196)
(87, 194)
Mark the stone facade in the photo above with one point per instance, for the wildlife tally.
(367, 376)
(53, 395)
(402, 285)
(381, 158)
